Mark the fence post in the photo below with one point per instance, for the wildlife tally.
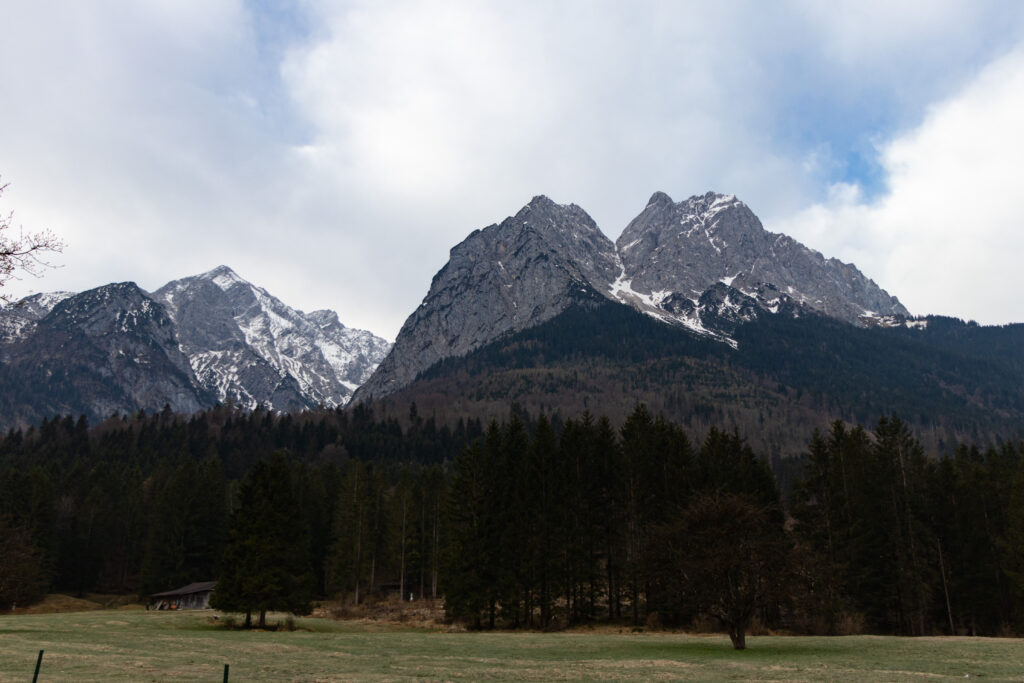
(225, 673)
(39, 662)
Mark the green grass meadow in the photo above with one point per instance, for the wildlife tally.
(134, 645)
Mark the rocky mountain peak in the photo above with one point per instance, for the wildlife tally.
(200, 339)
(94, 310)
(18, 320)
(222, 277)
(705, 263)
(254, 349)
(112, 348)
(499, 280)
(37, 306)
(686, 247)
(540, 202)
(659, 198)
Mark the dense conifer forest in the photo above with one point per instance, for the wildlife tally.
(952, 381)
(533, 522)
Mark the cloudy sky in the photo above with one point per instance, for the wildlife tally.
(333, 152)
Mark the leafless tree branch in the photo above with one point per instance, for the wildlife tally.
(26, 252)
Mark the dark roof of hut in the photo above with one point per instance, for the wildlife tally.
(199, 587)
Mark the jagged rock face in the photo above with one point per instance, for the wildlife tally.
(110, 349)
(249, 347)
(354, 354)
(706, 264)
(689, 246)
(501, 279)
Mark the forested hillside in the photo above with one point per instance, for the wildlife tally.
(951, 381)
(532, 522)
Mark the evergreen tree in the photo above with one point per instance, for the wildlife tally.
(1013, 541)
(906, 535)
(265, 564)
(469, 571)
(821, 509)
(350, 532)
(188, 516)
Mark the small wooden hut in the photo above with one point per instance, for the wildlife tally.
(192, 596)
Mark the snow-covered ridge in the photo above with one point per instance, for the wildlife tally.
(251, 348)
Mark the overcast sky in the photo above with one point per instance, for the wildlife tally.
(333, 152)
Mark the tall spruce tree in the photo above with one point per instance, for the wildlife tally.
(822, 510)
(265, 564)
(907, 536)
(469, 569)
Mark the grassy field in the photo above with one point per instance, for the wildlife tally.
(134, 645)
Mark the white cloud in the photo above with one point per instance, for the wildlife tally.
(337, 169)
(430, 121)
(947, 235)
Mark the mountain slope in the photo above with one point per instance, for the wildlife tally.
(110, 349)
(788, 376)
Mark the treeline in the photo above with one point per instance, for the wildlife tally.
(592, 524)
(912, 544)
(141, 503)
(535, 522)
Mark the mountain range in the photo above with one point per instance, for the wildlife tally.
(699, 312)
(696, 309)
(192, 343)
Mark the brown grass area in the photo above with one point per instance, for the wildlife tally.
(57, 603)
(388, 614)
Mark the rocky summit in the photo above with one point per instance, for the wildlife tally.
(705, 264)
(249, 347)
(684, 248)
(504, 278)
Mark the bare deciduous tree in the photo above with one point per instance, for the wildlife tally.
(25, 252)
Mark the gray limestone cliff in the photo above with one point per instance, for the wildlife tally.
(502, 279)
